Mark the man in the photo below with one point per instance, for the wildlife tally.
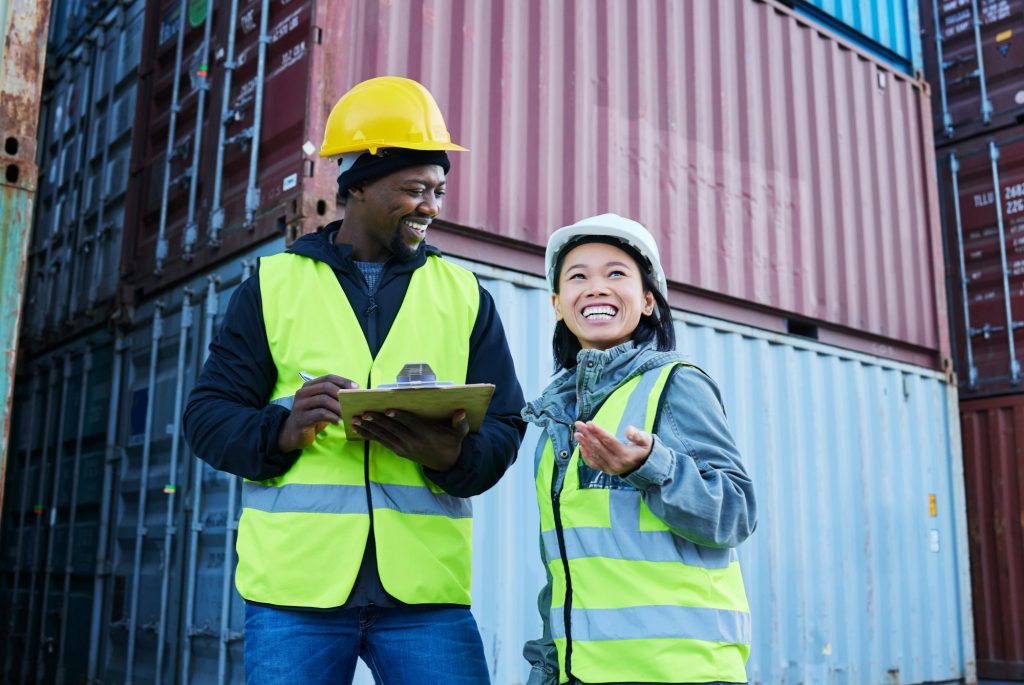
(353, 549)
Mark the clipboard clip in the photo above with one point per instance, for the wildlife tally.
(415, 375)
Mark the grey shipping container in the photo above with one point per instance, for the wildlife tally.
(172, 609)
(84, 148)
(53, 522)
(857, 470)
(974, 60)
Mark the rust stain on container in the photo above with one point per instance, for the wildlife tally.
(993, 437)
(23, 45)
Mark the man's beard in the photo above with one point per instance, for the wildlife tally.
(400, 250)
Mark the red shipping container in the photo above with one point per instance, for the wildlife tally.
(284, 193)
(981, 216)
(976, 73)
(787, 175)
(993, 437)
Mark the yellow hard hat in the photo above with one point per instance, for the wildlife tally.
(387, 111)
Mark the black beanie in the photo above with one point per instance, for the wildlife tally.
(388, 160)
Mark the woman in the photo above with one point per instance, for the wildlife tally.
(642, 494)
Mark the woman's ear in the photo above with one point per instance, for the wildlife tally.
(649, 303)
(557, 307)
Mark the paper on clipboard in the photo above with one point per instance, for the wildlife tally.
(434, 403)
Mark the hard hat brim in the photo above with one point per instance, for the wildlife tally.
(595, 227)
(373, 146)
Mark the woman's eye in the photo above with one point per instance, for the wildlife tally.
(617, 273)
(576, 277)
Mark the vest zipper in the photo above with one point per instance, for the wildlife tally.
(560, 534)
(369, 493)
(371, 323)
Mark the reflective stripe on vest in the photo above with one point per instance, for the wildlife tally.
(643, 604)
(351, 499)
(302, 535)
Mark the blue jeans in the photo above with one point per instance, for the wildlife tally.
(402, 646)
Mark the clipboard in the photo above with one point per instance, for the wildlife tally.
(429, 402)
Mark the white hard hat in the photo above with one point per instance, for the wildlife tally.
(626, 230)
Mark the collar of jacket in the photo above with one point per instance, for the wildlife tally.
(321, 247)
(577, 394)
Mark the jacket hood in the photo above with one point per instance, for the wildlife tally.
(579, 392)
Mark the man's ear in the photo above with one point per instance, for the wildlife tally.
(357, 190)
(558, 309)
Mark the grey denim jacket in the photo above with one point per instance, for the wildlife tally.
(693, 479)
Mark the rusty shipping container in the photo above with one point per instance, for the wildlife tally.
(974, 60)
(982, 184)
(993, 435)
(786, 173)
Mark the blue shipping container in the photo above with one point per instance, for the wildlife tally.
(858, 571)
(890, 30)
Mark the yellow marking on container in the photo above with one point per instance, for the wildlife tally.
(933, 509)
(1004, 35)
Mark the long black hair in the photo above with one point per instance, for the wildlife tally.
(656, 326)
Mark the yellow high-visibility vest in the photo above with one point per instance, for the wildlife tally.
(631, 601)
(302, 535)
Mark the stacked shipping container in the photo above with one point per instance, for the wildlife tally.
(806, 217)
(974, 58)
(975, 62)
(85, 138)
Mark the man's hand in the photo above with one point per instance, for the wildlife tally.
(435, 445)
(603, 451)
(316, 405)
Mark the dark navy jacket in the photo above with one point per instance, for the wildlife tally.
(230, 424)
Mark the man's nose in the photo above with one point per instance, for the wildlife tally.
(430, 205)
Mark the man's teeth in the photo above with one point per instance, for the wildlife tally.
(601, 312)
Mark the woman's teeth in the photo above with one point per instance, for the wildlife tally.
(599, 312)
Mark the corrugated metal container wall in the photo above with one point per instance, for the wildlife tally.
(565, 108)
(982, 183)
(858, 572)
(201, 193)
(888, 29)
(84, 149)
(993, 432)
(52, 527)
(852, 579)
(579, 121)
(166, 615)
(66, 24)
(974, 59)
